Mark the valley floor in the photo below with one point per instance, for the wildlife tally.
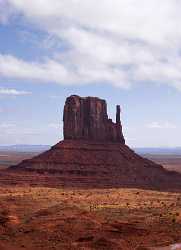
(38, 214)
(42, 218)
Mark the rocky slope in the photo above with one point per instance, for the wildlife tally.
(94, 152)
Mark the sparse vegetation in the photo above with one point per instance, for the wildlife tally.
(134, 215)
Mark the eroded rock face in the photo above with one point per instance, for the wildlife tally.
(87, 119)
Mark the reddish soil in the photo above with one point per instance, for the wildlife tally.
(50, 218)
(8, 158)
(43, 211)
(170, 162)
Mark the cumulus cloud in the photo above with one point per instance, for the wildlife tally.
(162, 125)
(122, 42)
(13, 92)
(13, 67)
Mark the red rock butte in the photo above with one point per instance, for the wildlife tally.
(94, 154)
(87, 119)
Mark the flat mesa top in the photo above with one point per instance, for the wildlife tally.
(85, 97)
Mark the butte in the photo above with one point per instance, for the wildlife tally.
(94, 154)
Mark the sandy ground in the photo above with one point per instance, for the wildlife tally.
(43, 218)
(50, 218)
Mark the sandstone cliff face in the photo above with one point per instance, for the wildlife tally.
(87, 119)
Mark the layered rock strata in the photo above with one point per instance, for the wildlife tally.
(93, 152)
(87, 119)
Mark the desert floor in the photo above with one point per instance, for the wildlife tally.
(170, 162)
(40, 217)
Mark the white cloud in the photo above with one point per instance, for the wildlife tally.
(152, 21)
(162, 125)
(13, 92)
(121, 42)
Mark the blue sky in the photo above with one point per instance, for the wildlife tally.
(125, 52)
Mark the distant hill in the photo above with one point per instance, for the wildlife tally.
(25, 148)
(41, 148)
(158, 151)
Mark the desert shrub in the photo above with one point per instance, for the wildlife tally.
(3, 217)
(173, 220)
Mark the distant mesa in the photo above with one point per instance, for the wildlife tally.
(94, 154)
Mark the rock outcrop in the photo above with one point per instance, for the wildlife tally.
(93, 152)
(87, 119)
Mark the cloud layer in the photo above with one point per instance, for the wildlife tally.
(162, 125)
(13, 92)
(120, 42)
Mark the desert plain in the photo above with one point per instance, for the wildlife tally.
(38, 212)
